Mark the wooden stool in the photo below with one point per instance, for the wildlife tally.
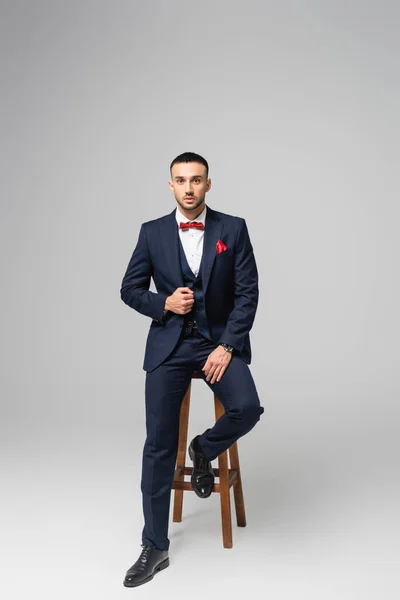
(228, 477)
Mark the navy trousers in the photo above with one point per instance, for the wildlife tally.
(165, 389)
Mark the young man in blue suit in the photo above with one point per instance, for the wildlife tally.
(205, 274)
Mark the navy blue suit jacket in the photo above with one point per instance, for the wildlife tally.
(230, 283)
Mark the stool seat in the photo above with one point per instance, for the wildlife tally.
(228, 476)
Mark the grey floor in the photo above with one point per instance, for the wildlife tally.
(322, 520)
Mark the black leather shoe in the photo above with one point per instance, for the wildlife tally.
(150, 561)
(203, 475)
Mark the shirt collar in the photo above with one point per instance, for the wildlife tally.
(200, 219)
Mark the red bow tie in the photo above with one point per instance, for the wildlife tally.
(194, 224)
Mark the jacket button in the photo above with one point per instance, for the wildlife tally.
(181, 325)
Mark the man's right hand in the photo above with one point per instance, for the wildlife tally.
(181, 301)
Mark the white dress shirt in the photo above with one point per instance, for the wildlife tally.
(192, 239)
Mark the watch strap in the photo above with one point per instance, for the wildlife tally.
(227, 347)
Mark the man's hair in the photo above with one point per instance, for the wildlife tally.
(187, 157)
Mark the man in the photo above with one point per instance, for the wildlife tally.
(205, 273)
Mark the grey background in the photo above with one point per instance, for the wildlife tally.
(295, 106)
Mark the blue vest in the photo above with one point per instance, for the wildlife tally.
(198, 313)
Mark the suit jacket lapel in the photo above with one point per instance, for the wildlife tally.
(212, 233)
(170, 243)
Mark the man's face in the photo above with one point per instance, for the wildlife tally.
(189, 184)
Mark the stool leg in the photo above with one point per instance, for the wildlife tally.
(224, 485)
(181, 455)
(237, 486)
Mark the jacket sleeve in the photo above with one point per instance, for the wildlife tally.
(136, 282)
(246, 292)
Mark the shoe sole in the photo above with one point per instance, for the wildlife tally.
(193, 485)
(160, 567)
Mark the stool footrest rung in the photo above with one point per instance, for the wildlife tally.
(186, 485)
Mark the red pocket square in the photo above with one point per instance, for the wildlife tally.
(220, 246)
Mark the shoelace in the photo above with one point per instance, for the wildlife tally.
(202, 460)
(144, 555)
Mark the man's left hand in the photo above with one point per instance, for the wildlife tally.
(216, 364)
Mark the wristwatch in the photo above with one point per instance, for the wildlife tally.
(227, 347)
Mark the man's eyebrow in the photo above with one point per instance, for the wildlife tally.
(182, 177)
